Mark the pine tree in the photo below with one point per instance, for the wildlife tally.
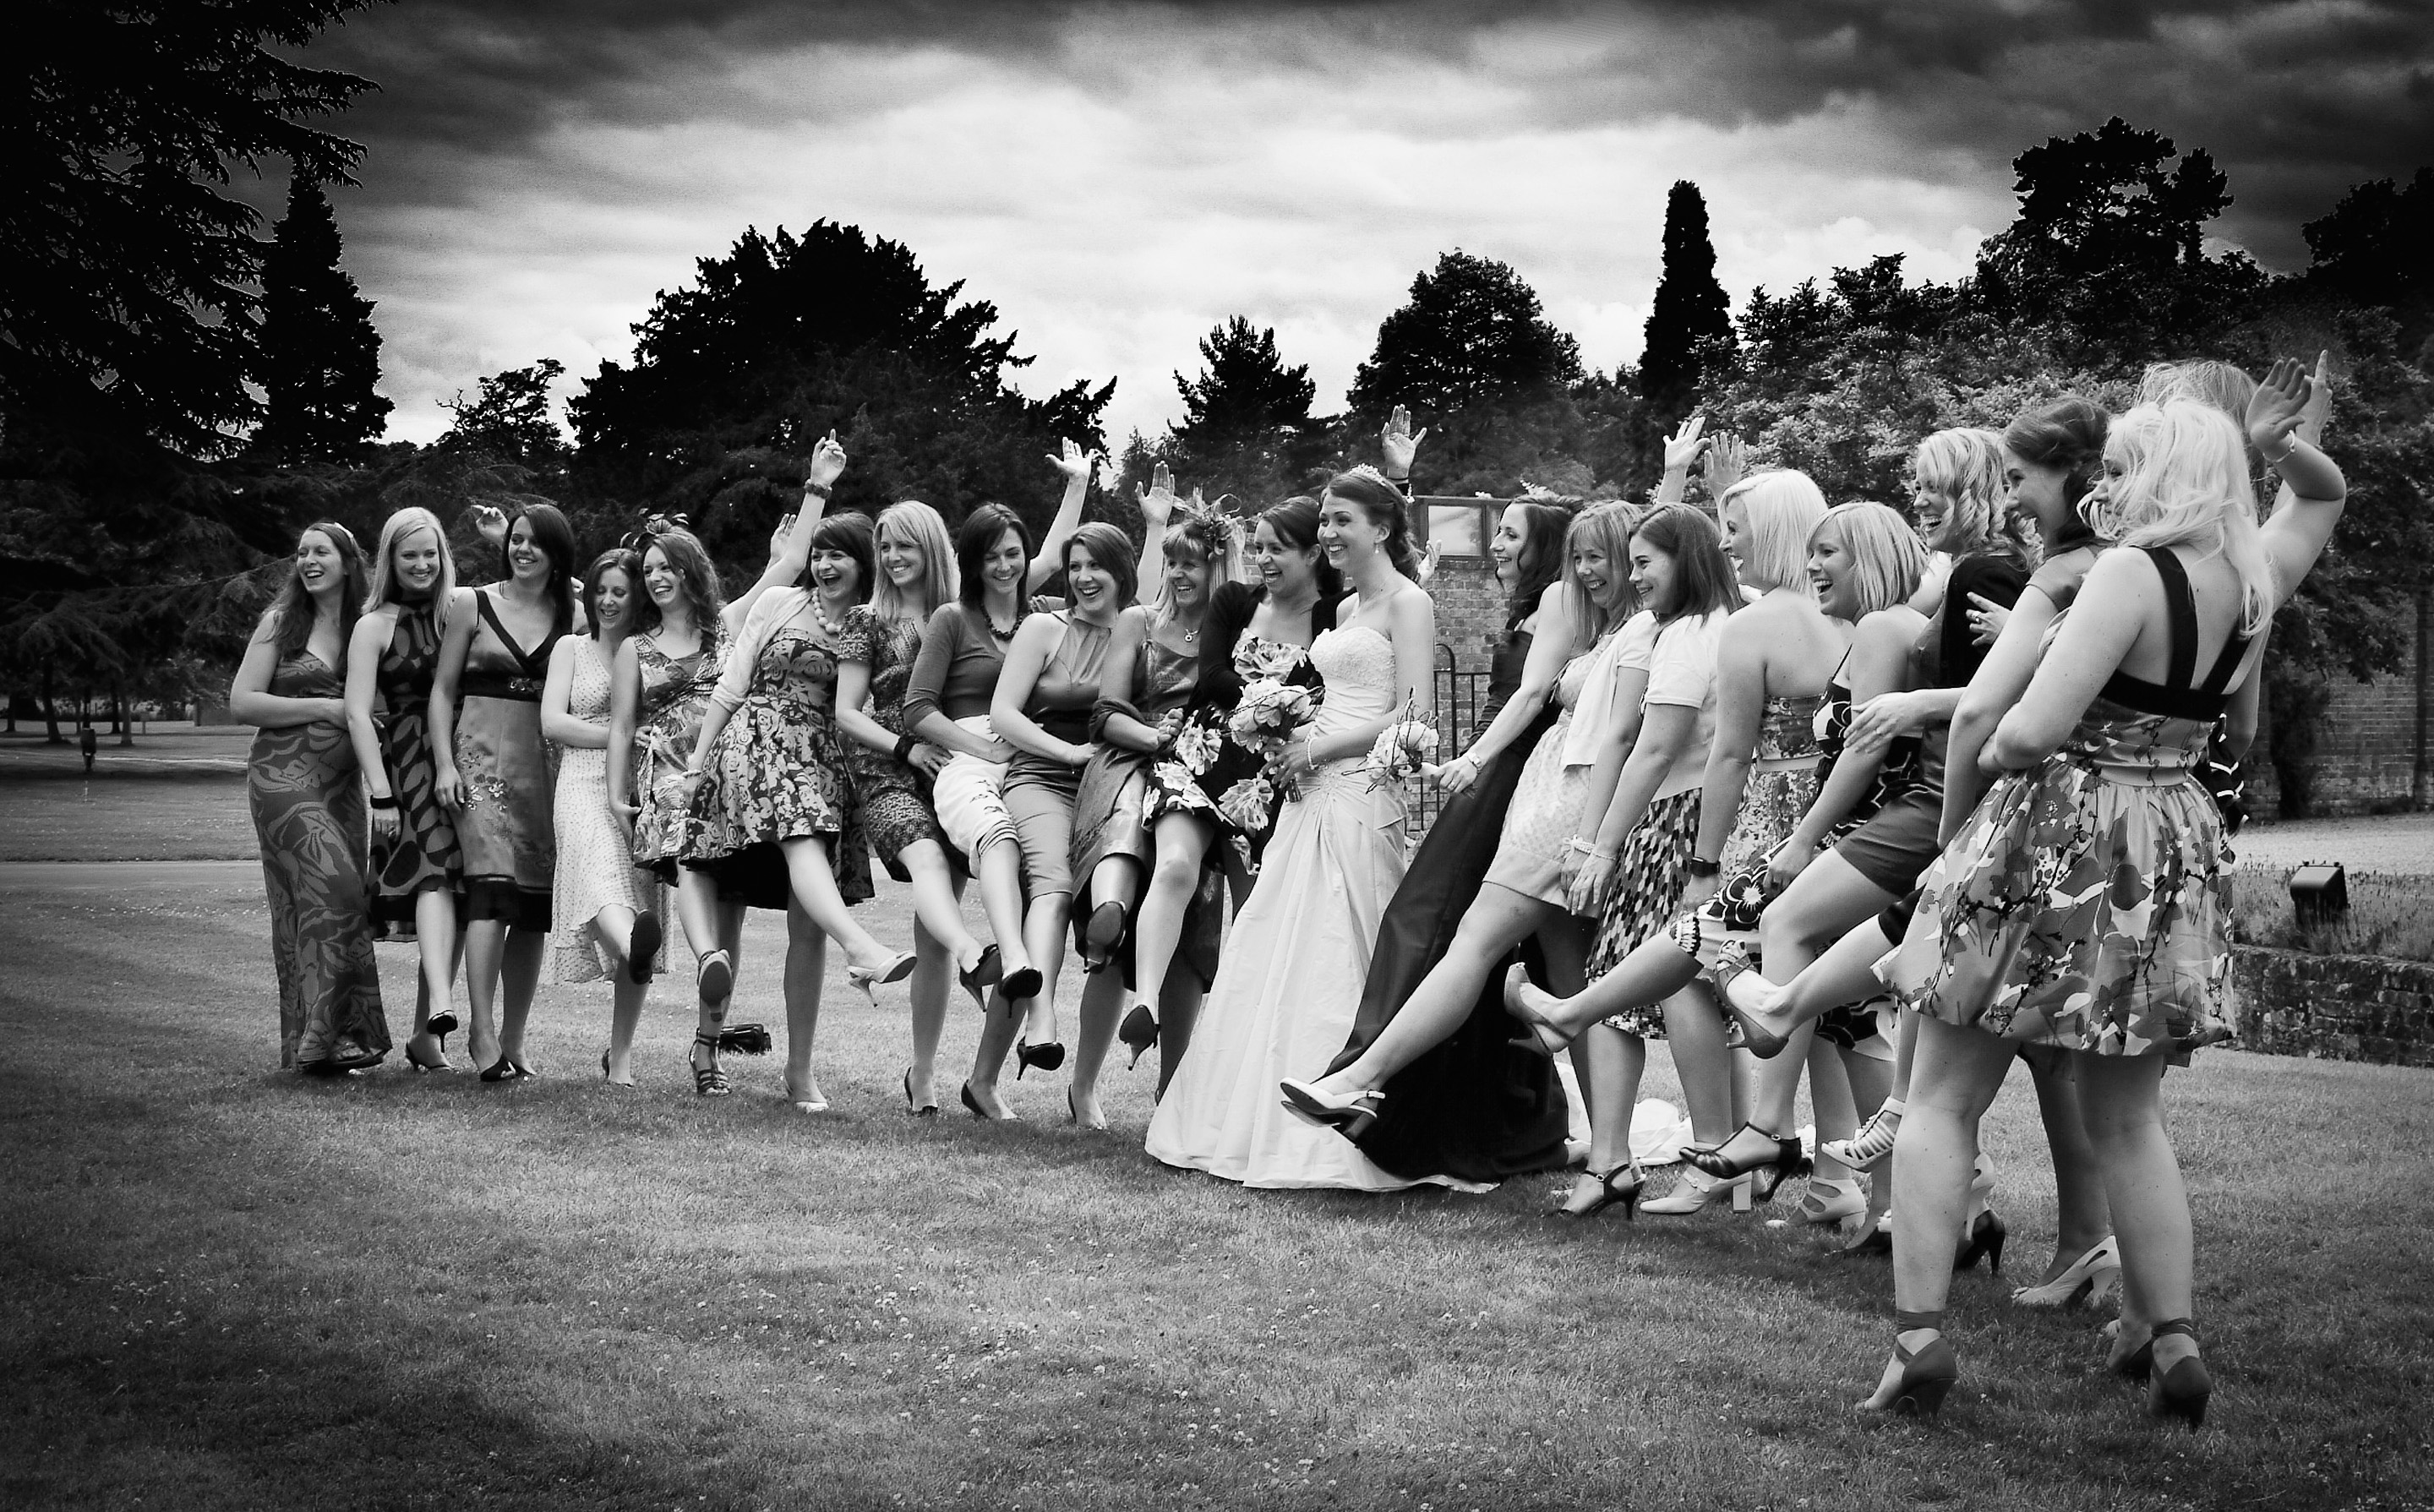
(320, 355)
(1689, 308)
(1246, 396)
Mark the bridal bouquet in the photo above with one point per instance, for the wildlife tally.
(1196, 746)
(1270, 712)
(1401, 747)
(1247, 804)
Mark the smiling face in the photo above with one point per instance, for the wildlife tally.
(1005, 565)
(2039, 491)
(1933, 510)
(1187, 575)
(1285, 570)
(1599, 576)
(901, 560)
(834, 573)
(1092, 585)
(318, 566)
(1831, 577)
(415, 561)
(1347, 534)
(1511, 539)
(1734, 519)
(659, 579)
(612, 602)
(1652, 574)
(527, 562)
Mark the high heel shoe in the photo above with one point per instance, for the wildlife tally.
(1874, 1142)
(1830, 1202)
(1743, 1032)
(443, 1024)
(870, 979)
(2182, 1388)
(1101, 935)
(984, 974)
(1608, 1193)
(1139, 1032)
(1021, 984)
(1350, 1116)
(928, 1109)
(501, 1070)
(711, 1080)
(713, 976)
(1766, 1172)
(1691, 1193)
(438, 1061)
(1986, 1235)
(1044, 1057)
(804, 1105)
(972, 1105)
(1927, 1373)
(2091, 1278)
(605, 1077)
(1546, 1037)
(1073, 1114)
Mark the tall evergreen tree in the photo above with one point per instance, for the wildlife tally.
(320, 356)
(1689, 308)
(1246, 424)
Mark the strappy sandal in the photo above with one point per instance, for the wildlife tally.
(1741, 1031)
(711, 1080)
(1609, 1194)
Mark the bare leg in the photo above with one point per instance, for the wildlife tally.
(485, 950)
(1178, 1011)
(1497, 921)
(1696, 1033)
(1831, 1099)
(807, 964)
(614, 925)
(1616, 1061)
(436, 945)
(999, 1027)
(1103, 1003)
(999, 873)
(933, 977)
(2121, 1104)
(938, 907)
(712, 924)
(2082, 1215)
(1043, 935)
(519, 974)
(1182, 843)
(1654, 971)
(816, 892)
(1959, 1071)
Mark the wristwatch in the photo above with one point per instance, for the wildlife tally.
(1695, 866)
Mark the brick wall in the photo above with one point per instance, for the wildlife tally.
(2333, 1007)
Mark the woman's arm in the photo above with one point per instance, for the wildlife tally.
(790, 547)
(453, 647)
(2001, 681)
(1551, 648)
(2289, 409)
(1025, 660)
(625, 705)
(557, 722)
(363, 680)
(1666, 731)
(1880, 663)
(250, 701)
(940, 644)
(1741, 706)
(1120, 678)
(1156, 503)
(1075, 464)
(1682, 447)
(2122, 596)
(1411, 625)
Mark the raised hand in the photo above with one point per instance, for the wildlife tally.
(1683, 447)
(492, 522)
(778, 538)
(1075, 463)
(1156, 500)
(1727, 464)
(1399, 442)
(828, 460)
(2320, 401)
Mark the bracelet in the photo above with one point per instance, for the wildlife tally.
(2295, 442)
(387, 802)
(905, 745)
(1699, 867)
(820, 488)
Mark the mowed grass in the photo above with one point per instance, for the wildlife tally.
(226, 1287)
(59, 816)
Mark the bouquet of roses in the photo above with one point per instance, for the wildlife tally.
(1247, 804)
(1196, 746)
(1257, 658)
(1401, 747)
(1268, 715)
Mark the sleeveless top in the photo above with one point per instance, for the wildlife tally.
(2179, 697)
(1068, 685)
(507, 670)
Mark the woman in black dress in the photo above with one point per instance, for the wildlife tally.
(1472, 1106)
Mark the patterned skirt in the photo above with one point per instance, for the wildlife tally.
(1647, 889)
(775, 775)
(2081, 906)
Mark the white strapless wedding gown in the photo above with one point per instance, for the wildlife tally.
(1289, 984)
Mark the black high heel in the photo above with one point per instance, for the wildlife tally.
(1101, 935)
(442, 1024)
(1786, 1163)
(501, 1070)
(1046, 1057)
(985, 973)
(1139, 1032)
(920, 1109)
(1928, 1374)
(2183, 1389)
(1022, 986)
(1351, 1116)
(439, 1062)
(1610, 1196)
(711, 1080)
(1985, 1238)
(972, 1105)
(328, 1068)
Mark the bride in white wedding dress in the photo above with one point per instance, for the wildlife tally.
(1290, 983)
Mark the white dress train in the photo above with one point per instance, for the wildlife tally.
(1290, 983)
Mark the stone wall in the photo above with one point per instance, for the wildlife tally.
(2333, 1007)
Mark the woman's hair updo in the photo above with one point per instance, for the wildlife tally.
(1383, 504)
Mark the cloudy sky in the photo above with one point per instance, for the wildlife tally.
(1118, 177)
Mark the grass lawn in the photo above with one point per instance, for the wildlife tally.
(226, 1288)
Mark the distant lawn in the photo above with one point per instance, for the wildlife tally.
(228, 1289)
(54, 816)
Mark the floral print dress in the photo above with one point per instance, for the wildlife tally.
(1219, 767)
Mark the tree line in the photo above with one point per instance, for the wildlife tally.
(178, 394)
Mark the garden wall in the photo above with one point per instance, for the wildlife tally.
(2333, 1007)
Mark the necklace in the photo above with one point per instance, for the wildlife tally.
(820, 614)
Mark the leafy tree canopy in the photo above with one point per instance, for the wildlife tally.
(2376, 247)
(1246, 423)
(125, 275)
(320, 356)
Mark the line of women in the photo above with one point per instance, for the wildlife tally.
(1732, 761)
